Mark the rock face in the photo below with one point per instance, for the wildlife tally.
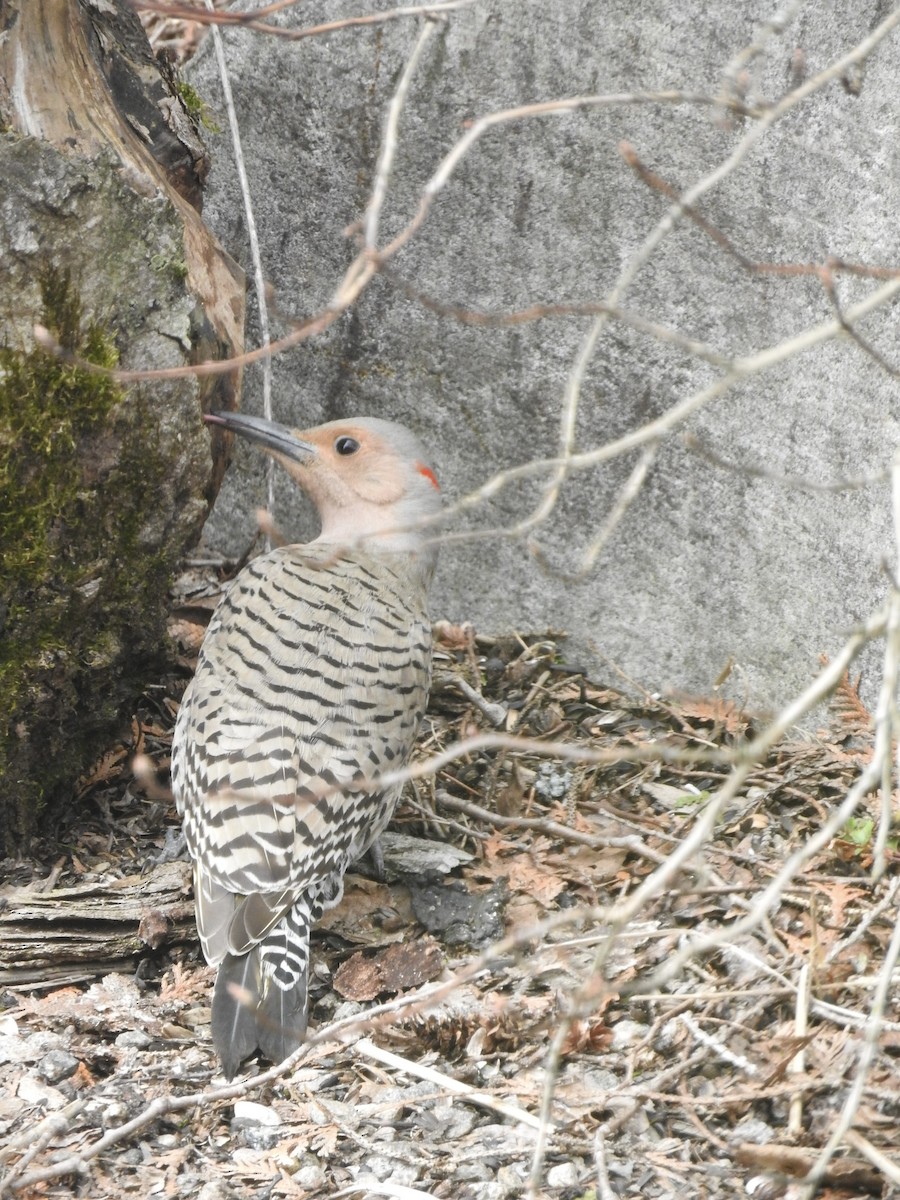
(710, 566)
(102, 485)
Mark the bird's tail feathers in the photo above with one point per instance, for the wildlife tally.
(236, 1000)
(251, 1010)
(281, 1019)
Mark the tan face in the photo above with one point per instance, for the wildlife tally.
(357, 461)
(354, 464)
(367, 477)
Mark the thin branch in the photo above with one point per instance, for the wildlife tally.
(870, 1039)
(627, 495)
(742, 368)
(538, 312)
(797, 1065)
(544, 825)
(827, 276)
(684, 204)
(250, 20)
(700, 1035)
(389, 138)
(259, 282)
(796, 482)
(882, 757)
(774, 27)
(881, 1162)
(446, 1083)
(547, 108)
(584, 999)
(394, 1191)
(754, 266)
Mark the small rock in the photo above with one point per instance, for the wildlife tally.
(379, 1166)
(667, 1037)
(455, 1121)
(57, 1065)
(489, 1191)
(752, 1130)
(258, 1137)
(563, 1175)
(311, 1177)
(15, 1049)
(255, 1114)
(513, 1178)
(34, 1091)
(552, 784)
(457, 916)
(135, 1038)
(628, 1033)
(216, 1189)
(403, 1175)
(115, 1113)
(472, 1173)
(192, 1017)
(405, 855)
(314, 1079)
(174, 1033)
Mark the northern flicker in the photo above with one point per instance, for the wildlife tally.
(311, 683)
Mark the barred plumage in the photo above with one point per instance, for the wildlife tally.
(311, 684)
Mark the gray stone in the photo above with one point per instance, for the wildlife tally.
(137, 1039)
(563, 1175)
(709, 567)
(57, 1065)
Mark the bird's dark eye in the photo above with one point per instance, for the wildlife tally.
(346, 445)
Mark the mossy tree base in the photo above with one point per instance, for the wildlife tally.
(102, 486)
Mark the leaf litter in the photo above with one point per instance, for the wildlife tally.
(508, 1015)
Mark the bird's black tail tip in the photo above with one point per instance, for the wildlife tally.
(249, 1014)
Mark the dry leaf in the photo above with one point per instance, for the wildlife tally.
(153, 928)
(393, 970)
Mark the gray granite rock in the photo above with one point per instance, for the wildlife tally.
(709, 566)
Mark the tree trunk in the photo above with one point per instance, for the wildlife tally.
(102, 486)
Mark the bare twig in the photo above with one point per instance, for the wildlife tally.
(627, 495)
(551, 828)
(774, 26)
(880, 771)
(389, 139)
(604, 1187)
(796, 482)
(250, 19)
(259, 282)
(447, 1083)
(797, 1065)
(888, 1168)
(718, 1047)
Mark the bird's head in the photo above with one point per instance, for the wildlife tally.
(369, 479)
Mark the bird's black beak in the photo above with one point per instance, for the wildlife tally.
(277, 438)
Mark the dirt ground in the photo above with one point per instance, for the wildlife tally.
(532, 1001)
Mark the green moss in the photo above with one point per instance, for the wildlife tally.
(46, 407)
(76, 483)
(196, 107)
(161, 263)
